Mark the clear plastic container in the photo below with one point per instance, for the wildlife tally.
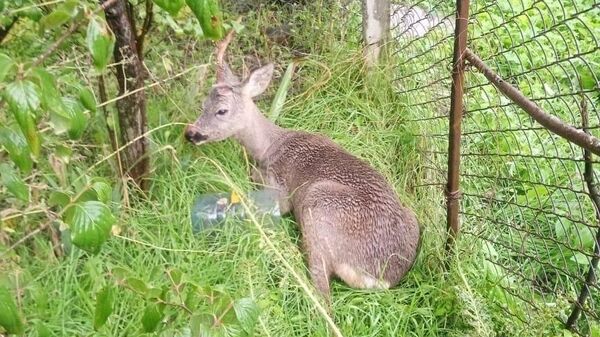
(212, 209)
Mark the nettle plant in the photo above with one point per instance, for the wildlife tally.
(50, 122)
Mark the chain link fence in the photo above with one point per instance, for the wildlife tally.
(527, 196)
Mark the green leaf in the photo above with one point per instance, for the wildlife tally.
(209, 15)
(176, 276)
(100, 42)
(104, 306)
(90, 223)
(200, 325)
(28, 126)
(14, 184)
(171, 6)
(151, 318)
(34, 13)
(58, 198)
(7, 65)
(246, 312)
(86, 96)
(49, 94)
(282, 92)
(103, 191)
(10, 319)
(77, 118)
(22, 95)
(17, 148)
(137, 285)
(55, 19)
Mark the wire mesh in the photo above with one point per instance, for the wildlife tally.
(524, 198)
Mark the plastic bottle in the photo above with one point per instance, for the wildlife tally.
(211, 209)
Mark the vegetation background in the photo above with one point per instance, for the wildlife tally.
(86, 249)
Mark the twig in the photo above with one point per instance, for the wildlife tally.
(146, 26)
(588, 175)
(28, 236)
(68, 33)
(218, 320)
(551, 122)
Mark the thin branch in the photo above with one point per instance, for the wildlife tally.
(74, 26)
(103, 98)
(552, 123)
(146, 26)
(588, 175)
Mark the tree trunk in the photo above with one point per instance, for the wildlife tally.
(132, 108)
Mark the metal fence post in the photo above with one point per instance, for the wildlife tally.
(376, 26)
(456, 111)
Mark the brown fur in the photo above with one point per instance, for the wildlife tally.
(353, 225)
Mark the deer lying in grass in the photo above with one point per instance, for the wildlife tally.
(353, 226)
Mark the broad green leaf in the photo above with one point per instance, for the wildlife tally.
(28, 126)
(151, 318)
(100, 42)
(90, 223)
(77, 118)
(282, 92)
(55, 19)
(58, 198)
(200, 325)
(10, 319)
(119, 273)
(104, 306)
(22, 95)
(34, 13)
(176, 276)
(7, 65)
(246, 312)
(49, 94)
(209, 15)
(103, 191)
(17, 148)
(86, 96)
(14, 184)
(171, 6)
(137, 285)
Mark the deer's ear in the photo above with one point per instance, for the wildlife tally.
(258, 80)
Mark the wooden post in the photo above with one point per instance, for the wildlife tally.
(376, 26)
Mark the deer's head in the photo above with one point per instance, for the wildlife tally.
(229, 107)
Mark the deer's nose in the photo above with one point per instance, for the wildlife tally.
(192, 135)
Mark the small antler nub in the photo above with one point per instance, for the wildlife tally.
(222, 67)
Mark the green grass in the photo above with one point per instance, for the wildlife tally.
(330, 94)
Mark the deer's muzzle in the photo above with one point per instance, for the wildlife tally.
(192, 135)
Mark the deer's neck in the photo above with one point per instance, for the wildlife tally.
(258, 135)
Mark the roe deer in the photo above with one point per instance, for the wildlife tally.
(352, 224)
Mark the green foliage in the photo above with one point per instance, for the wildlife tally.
(209, 16)
(14, 183)
(10, 318)
(90, 223)
(100, 42)
(104, 306)
(171, 6)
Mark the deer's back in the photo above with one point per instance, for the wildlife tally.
(360, 219)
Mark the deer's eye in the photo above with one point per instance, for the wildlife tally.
(221, 112)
